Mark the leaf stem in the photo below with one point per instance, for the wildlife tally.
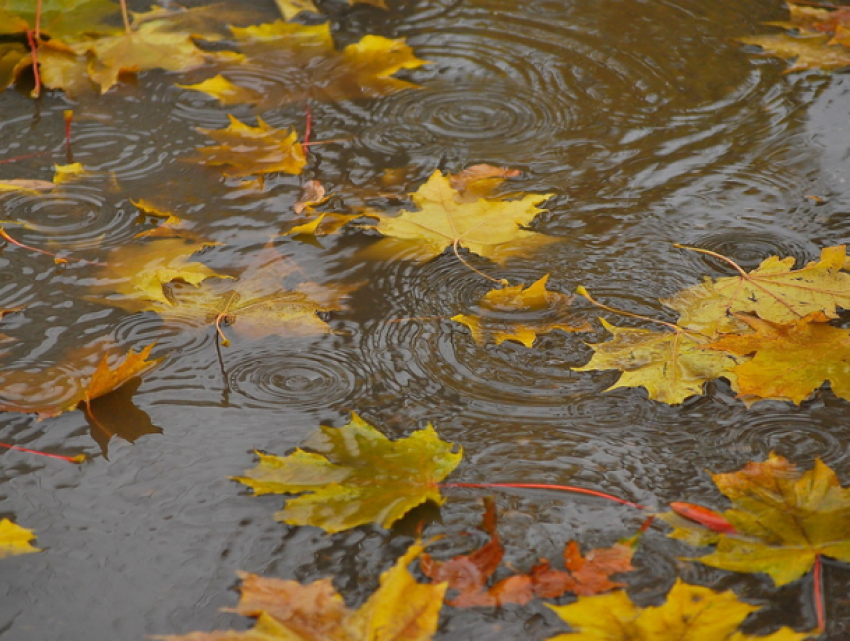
(69, 116)
(308, 127)
(546, 486)
(70, 459)
(126, 16)
(36, 92)
(4, 234)
(708, 252)
(820, 607)
(581, 291)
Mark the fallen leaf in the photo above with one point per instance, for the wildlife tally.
(309, 66)
(291, 8)
(400, 610)
(314, 193)
(469, 574)
(209, 22)
(146, 47)
(479, 181)
(15, 540)
(773, 291)
(790, 361)
(783, 519)
(520, 314)
(672, 366)
(355, 475)
(489, 228)
(172, 226)
(246, 151)
(258, 304)
(12, 55)
(690, 612)
(67, 173)
(60, 19)
(27, 390)
(26, 185)
(139, 272)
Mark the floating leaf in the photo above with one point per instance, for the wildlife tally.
(469, 574)
(790, 361)
(355, 475)
(62, 19)
(400, 610)
(247, 151)
(258, 304)
(305, 56)
(783, 519)
(519, 313)
(15, 540)
(291, 8)
(26, 391)
(690, 612)
(490, 228)
(774, 291)
(13, 56)
(672, 366)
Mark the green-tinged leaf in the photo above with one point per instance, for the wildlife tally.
(62, 19)
(783, 519)
(355, 475)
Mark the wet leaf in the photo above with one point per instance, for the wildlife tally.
(146, 47)
(400, 610)
(672, 366)
(209, 22)
(12, 55)
(489, 228)
(790, 361)
(60, 19)
(139, 272)
(810, 44)
(469, 574)
(354, 475)
(313, 69)
(690, 612)
(520, 313)
(314, 193)
(291, 8)
(15, 540)
(773, 291)
(479, 181)
(258, 304)
(783, 519)
(246, 151)
(27, 391)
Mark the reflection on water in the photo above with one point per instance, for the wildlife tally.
(648, 124)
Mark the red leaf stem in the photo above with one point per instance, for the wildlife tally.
(70, 459)
(545, 486)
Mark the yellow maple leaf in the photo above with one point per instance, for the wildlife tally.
(304, 58)
(15, 539)
(246, 151)
(540, 311)
(774, 291)
(672, 366)
(783, 519)
(489, 228)
(140, 272)
(400, 610)
(790, 361)
(690, 612)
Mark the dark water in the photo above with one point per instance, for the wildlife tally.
(650, 126)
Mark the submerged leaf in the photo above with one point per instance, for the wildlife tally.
(783, 519)
(355, 475)
(490, 228)
(60, 19)
(400, 610)
(520, 313)
(305, 56)
(15, 540)
(247, 151)
(690, 612)
(672, 366)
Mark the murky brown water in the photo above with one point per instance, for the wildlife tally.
(649, 124)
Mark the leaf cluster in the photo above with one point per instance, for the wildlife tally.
(768, 332)
(817, 38)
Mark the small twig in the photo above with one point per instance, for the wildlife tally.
(69, 115)
(36, 92)
(4, 234)
(820, 607)
(80, 458)
(544, 486)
